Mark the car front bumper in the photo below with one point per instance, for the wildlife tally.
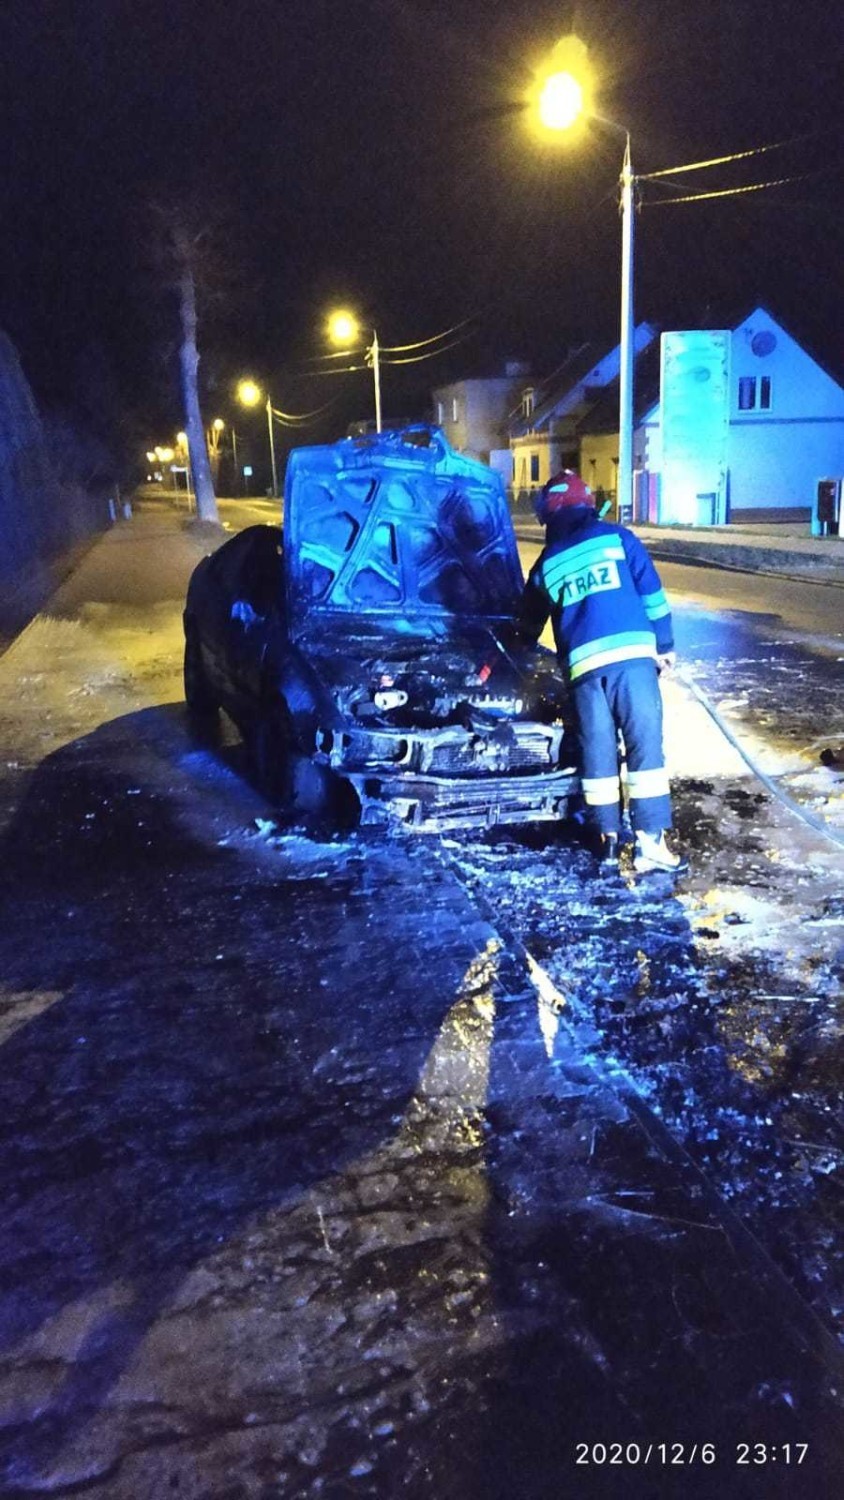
(454, 776)
(434, 804)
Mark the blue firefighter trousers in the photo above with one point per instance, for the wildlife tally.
(623, 697)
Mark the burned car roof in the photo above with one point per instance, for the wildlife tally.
(397, 526)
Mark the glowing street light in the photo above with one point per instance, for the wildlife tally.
(215, 433)
(249, 393)
(563, 98)
(560, 101)
(344, 330)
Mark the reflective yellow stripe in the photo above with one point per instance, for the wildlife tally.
(600, 791)
(607, 658)
(648, 783)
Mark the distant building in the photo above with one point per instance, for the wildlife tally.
(475, 414)
(731, 424)
(545, 437)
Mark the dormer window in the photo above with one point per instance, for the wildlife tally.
(528, 401)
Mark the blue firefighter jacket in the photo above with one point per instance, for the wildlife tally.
(603, 593)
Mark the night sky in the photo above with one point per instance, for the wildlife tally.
(371, 151)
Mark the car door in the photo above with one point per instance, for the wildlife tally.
(255, 609)
(233, 600)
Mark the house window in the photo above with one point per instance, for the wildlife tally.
(534, 468)
(528, 401)
(439, 414)
(753, 394)
(454, 408)
(747, 393)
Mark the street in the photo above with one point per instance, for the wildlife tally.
(310, 1191)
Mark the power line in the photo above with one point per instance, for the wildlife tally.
(345, 370)
(414, 359)
(754, 187)
(405, 348)
(338, 354)
(300, 419)
(719, 161)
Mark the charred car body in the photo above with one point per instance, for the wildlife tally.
(348, 649)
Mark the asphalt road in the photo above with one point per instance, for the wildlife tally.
(308, 1192)
(761, 607)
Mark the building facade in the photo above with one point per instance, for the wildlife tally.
(475, 414)
(751, 403)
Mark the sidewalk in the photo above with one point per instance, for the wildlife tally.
(785, 551)
(782, 550)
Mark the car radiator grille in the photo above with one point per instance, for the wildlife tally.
(522, 749)
(481, 758)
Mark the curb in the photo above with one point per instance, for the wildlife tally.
(758, 561)
(710, 560)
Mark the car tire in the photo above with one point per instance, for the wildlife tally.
(292, 780)
(271, 745)
(199, 696)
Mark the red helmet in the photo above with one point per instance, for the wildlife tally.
(562, 491)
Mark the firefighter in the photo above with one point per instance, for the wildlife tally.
(612, 628)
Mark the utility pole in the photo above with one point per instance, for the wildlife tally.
(272, 445)
(624, 498)
(374, 353)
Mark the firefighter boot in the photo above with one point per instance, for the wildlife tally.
(653, 853)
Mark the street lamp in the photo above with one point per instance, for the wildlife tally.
(344, 330)
(249, 394)
(562, 99)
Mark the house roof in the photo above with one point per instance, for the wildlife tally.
(576, 366)
(571, 373)
(826, 351)
(602, 413)
(587, 370)
(832, 366)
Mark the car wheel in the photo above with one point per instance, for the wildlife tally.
(290, 779)
(199, 697)
(271, 747)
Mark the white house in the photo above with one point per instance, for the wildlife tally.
(747, 425)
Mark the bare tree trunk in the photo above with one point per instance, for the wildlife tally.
(206, 500)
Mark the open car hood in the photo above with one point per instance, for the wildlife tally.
(397, 526)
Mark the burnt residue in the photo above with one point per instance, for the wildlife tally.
(735, 1044)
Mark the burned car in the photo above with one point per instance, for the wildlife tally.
(364, 651)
